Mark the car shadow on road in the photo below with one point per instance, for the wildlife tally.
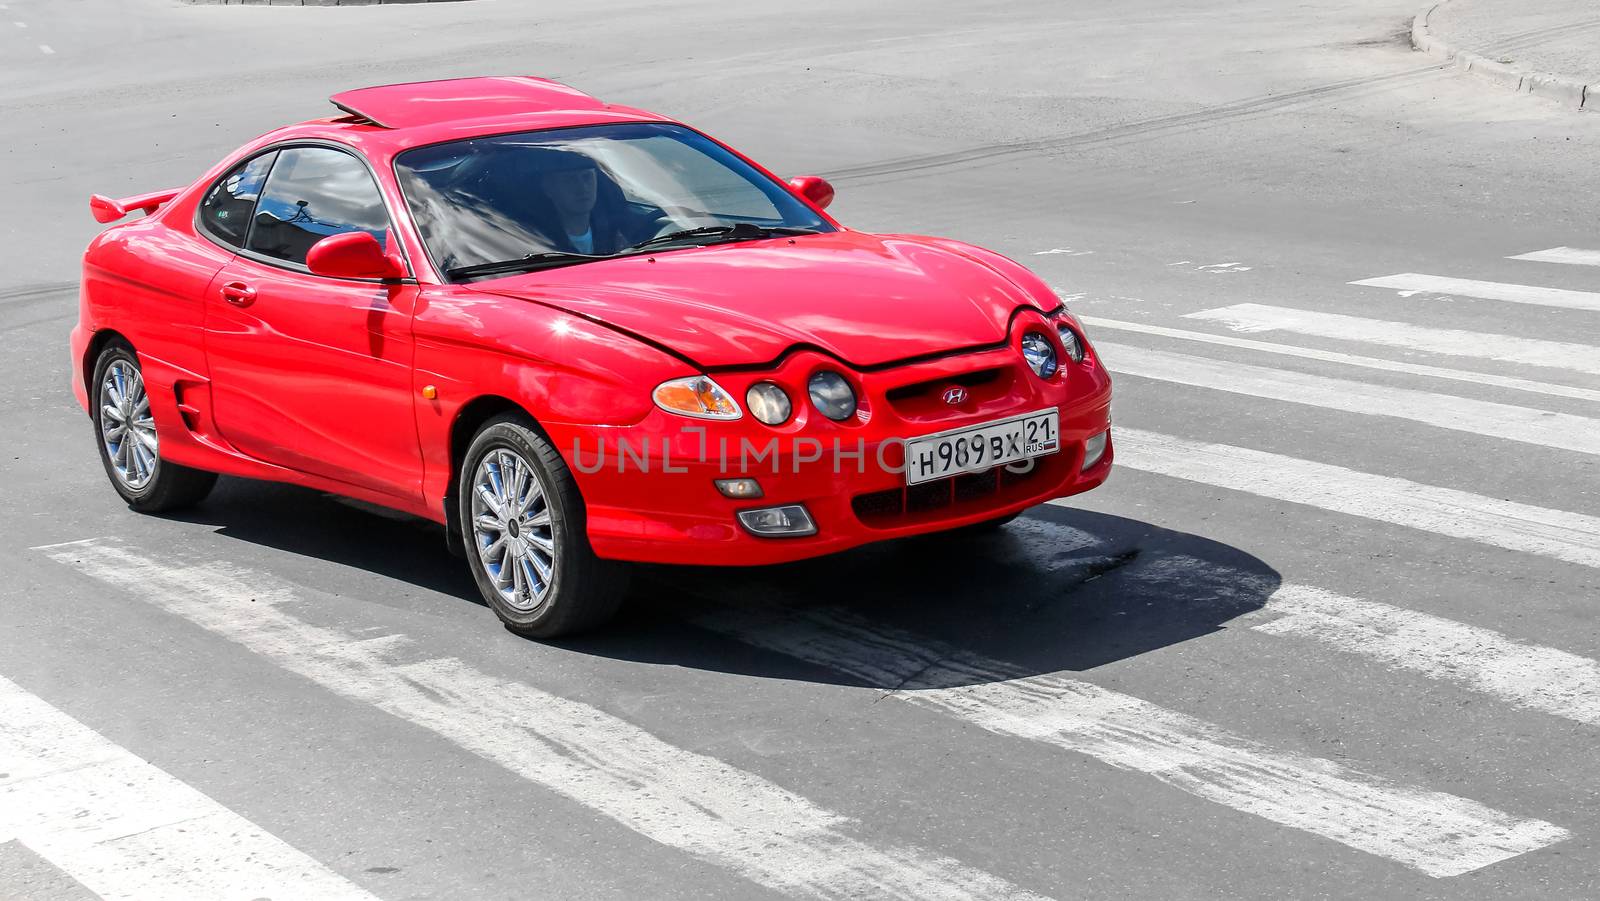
(350, 533)
(1059, 589)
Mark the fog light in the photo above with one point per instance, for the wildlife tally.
(739, 488)
(1094, 449)
(777, 522)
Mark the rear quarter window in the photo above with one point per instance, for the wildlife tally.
(225, 213)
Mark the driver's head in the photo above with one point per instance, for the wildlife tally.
(568, 179)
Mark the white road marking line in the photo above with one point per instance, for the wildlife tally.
(1560, 535)
(1526, 425)
(127, 830)
(1528, 676)
(1525, 675)
(1437, 833)
(1464, 287)
(46, 49)
(20, 24)
(688, 801)
(1571, 256)
(1252, 317)
(1438, 372)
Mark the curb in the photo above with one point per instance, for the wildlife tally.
(1566, 91)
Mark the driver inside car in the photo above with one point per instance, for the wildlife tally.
(579, 206)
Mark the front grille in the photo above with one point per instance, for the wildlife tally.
(933, 387)
(955, 495)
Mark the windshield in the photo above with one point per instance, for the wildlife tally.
(571, 195)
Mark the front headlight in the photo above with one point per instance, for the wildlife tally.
(832, 395)
(697, 396)
(1071, 341)
(768, 403)
(1040, 354)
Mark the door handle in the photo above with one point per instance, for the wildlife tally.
(239, 294)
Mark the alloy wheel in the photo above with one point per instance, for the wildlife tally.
(126, 428)
(511, 529)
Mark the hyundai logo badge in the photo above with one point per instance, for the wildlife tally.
(955, 395)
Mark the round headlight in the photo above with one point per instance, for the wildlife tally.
(1070, 340)
(1040, 354)
(832, 395)
(768, 403)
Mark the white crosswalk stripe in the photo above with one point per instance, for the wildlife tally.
(1570, 256)
(1557, 534)
(1524, 675)
(1250, 317)
(681, 799)
(1437, 833)
(1327, 356)
(125, 829)
(1417, 283)
(1562, 431)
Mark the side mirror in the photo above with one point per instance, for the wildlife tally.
(814, 188)
(353, 255)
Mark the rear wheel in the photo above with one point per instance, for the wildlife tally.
(526, 538)
(129, 447)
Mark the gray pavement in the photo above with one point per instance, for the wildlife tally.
(1556, 36)
(1299, 646)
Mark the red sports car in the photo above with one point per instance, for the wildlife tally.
(576, 334)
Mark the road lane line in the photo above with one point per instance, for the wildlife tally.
(1557, 534)
(1522, 674)
(1465, 287)
(1571, 256)
(1328, 356)
(127, 830)
(1251, 317)
(46, 49)
(687, 801)
(1526, 425)
(1434, 832)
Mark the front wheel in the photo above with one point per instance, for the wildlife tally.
(128, 444)
(526, 538)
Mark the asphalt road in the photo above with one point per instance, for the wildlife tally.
(1329, 630)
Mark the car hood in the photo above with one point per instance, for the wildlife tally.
(866, 299)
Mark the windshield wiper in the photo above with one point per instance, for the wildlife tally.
(739, 231)
(550, 259)
(532, 262)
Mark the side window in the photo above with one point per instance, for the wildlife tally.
(314, 192)
(225, 212)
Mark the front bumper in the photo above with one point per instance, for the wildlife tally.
(649, 490)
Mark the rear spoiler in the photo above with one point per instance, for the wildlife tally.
(107, 210)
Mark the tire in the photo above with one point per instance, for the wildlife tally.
(534, 566)
(126, 436)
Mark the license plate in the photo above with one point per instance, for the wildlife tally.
(980, 447)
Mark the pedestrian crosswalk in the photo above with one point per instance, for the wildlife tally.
(124, 829)
(1406, 371)
(695, 803)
